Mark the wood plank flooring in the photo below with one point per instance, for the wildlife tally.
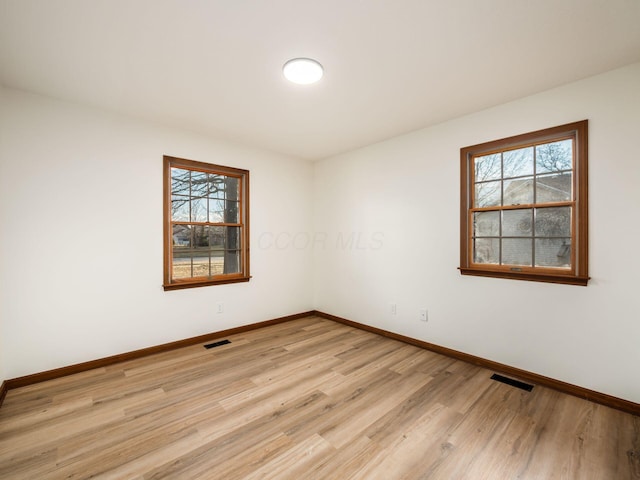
(308, 399)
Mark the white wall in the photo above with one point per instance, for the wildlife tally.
(81, 243)
(402, 198)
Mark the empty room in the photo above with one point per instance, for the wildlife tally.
(376, 239)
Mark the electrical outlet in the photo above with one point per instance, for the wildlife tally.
(392, 309)
(220, 307)
(424, 315)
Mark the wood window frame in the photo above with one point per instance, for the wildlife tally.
(577, 273)
(243, 275)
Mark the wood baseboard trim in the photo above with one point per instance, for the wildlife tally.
(106, 361)
(3, 391)
(591, 395)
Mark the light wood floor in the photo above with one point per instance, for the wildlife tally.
(308, 399)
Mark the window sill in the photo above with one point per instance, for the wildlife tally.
(529, 276)
(205, 283)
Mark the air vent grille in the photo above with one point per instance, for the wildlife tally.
(512, 382)
(217, 344)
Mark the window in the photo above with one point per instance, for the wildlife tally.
(206, 224)
(523, 207)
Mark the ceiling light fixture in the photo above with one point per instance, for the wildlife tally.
(302, 71)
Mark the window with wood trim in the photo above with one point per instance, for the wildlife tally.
(206, 224)
(523, 207)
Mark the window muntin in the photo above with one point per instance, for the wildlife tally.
(524, 206)
(206, 224)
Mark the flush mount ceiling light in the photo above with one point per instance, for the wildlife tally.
(302, 71)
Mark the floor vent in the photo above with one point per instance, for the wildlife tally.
(512, 382)
(217, 344)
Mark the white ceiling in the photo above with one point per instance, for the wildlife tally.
(391, 66)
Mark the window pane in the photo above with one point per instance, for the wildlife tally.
(554, 187)
(486, 224)
(223, 211)
(199, 184)
(233, 238)
(216, 186)
(216, 210)
(231, 211)
(518, 191)
(180, 208)
(181, 268)
(518, 163)
(554, 157)
(201, 265)
(488, 168)
(200, 237)
(231, 261)
(217, 262)
(517, 223)
(181, 237)
(553, 222)
(217, 237)
(486, 250)
(487, 194)
(517, 251)
(553, 252)
(198, 209)
(231, 187)
(180, 181)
